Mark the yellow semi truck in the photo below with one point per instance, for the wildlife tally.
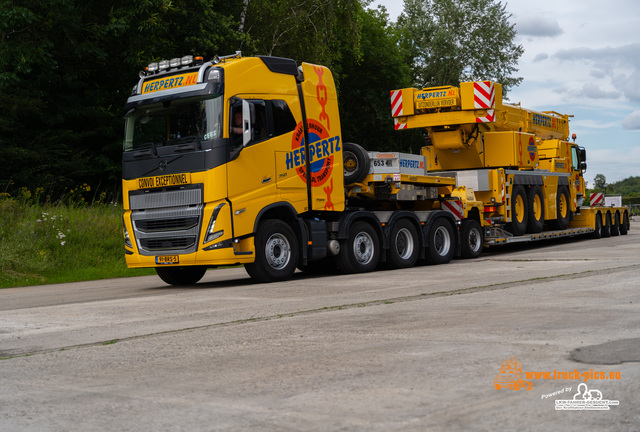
(240, 160)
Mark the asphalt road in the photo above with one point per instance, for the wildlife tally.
(406, 350)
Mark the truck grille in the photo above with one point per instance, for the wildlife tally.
(168, 244)
(167, 224)
(167, 221)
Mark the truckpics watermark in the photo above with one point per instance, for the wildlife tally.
(512, 376)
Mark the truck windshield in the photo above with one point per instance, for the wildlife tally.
(176, 122)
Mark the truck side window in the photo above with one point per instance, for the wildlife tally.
(283, 120)
(575, 160)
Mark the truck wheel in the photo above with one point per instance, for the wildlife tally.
(189, 275)
(276, 252)
(606, 229)
(471, 239)
(597, 229)
(615, 226)
(519, 212)
(356, 163)
(441, 242)
(404, 245)
(624, 227)
(536, 210)
(562, 208)
(361, 251)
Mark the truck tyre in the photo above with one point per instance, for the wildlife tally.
(404, 245)
(356, 163)
(563, 215)
(536, 210)
(471, 239)
(361, 251)
(597, 229)
(606, 229)
(624, 227)
(440, 248)
(615, 226)
(276, 252)
(519, 212)
(188, 275)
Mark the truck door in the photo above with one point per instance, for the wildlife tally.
(251, 172)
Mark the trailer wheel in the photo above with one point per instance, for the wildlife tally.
(404, 245)
(615, 226)
(597, 229)
(361, 251)
(356, 163)
(440, 248)
(276, 252)
(188, 275)
(606, 229)
(536, 210)
(624, 227)
(471, 239)
(562, 208)
(519, 212)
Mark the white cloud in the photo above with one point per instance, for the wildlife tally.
(632, 121)
(538, 26)
(540, 57)
(593, 91)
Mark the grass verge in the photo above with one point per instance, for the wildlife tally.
(57, 243)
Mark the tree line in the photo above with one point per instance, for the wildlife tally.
(67, 67)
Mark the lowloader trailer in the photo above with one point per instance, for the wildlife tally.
(240, 160)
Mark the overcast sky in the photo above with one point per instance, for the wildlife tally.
(581, 58)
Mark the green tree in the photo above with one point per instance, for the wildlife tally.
(453, 41)
(66, 68)
(365, 84)
(600, 182)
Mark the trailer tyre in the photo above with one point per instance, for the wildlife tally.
(519, 211)
(404, 245)
(356, 163)
(536, 210)
(597, 229)
(624, 227)
(276, 252)
(563, 210)
(361, 251)
(440, 248)
(188, 275)
(471, 239)
(615, 226)
(606, 229)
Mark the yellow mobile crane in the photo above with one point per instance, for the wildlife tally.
(518, 162)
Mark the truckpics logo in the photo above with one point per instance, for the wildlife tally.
(321, 152)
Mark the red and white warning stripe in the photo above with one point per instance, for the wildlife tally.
(454, 207)
(398, 125)
(396, 103)
(596, 199)
(489, 118)
(484, 94)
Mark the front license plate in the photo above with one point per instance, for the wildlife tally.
(169, 259)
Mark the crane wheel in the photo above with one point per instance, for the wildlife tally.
(563, 210)
(188, 275)
(519, 211)
(536, 210)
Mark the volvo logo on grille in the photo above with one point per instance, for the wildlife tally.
(162, 166)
